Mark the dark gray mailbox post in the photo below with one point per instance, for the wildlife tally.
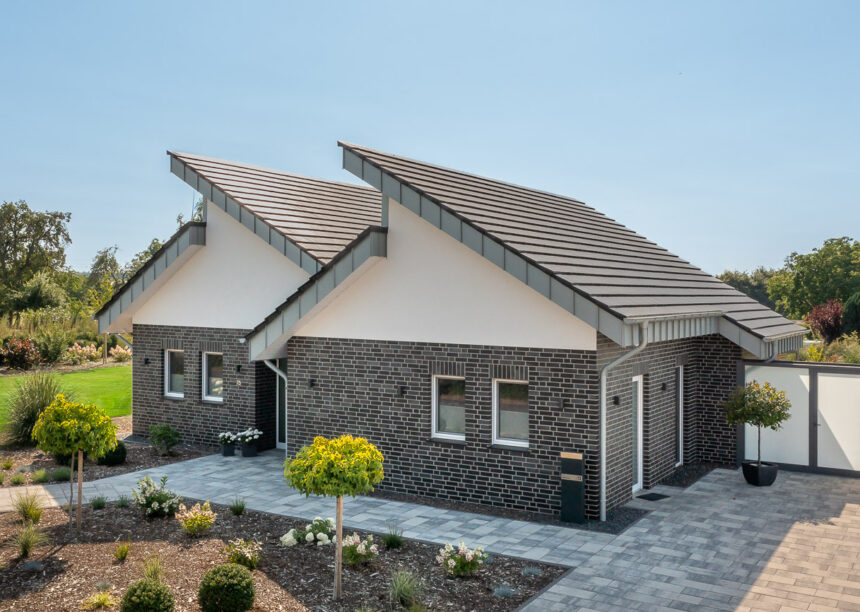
(572, 488)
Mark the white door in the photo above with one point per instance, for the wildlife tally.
(679, 451)
(637, 432)
(280, 408)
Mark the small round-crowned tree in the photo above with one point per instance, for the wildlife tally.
(759, 406)
(74, 428)
(334, 468)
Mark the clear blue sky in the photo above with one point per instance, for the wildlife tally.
(729, 132)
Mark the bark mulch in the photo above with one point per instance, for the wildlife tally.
(25, 461)
(288, 579)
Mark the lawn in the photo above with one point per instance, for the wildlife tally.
(107, 388)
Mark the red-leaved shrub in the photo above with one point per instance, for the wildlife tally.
(20, 353)
(826, 320)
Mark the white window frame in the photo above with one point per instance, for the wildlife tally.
(167, 391)
(204, 383)
(496, 438)
(442, 435)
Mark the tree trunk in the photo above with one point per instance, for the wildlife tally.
(71, 489)
(759, 445)
(338, 555)
(80, 486)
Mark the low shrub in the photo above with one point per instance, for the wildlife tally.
(121, 551)
(98, 503)
(147, 596)
(20, 353)
(393, 538)
(27, 507)
(77, 354)
(196, 520)
(31, 396)
(61, 474)
(462, 561)
(28, 538)
(116, 456)
(155, 500)
(163, 438)
(226, 588)
(99, 600)
(319, 531)
(122, 502)
(52, 343)
(244, 552)
(120, 353)
(237, 506)
(40, 476)
(153, 569)
(357, 551)
(6, 463)
(404, 588)
(18, 479)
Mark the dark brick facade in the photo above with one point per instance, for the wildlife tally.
(357, 390)
(709, 376)
(249, 393)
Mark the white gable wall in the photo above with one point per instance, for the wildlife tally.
(233, 282)
(432, 288)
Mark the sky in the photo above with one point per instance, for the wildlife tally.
(727, 132)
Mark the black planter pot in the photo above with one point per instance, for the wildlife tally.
(760, 475)
(228, 450)
(249, 450)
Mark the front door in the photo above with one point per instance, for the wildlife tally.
(281, 407)
(636, 389)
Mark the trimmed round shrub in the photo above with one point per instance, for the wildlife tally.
(115, 456)
(226, 588)
(147, 596)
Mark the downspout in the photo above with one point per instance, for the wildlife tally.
(283, 376)
(604, 372)
(773, 353)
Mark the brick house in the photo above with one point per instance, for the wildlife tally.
(472, 329)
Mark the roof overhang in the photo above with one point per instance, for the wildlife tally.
(116, 315)
(269, 339)
(621, 330)
(228, 204)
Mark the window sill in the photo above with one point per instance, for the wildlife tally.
(450, 441)
(212, 400)
(509, 447)
(174, 397)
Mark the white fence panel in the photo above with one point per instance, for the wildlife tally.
(839, 421)
(791, 443)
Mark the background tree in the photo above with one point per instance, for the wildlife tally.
(754, 283)
(106, 275)
(30, 242)
(334, 468)
(70, 428)
(37, 293)
(826, 320)
(829, 272)
(759, 406)
(851, 314)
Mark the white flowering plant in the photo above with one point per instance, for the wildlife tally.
(226, 438)
(319, 532)
(244, 552)
(154, 499)
(461, 561)
(249, 436)
(357, 551)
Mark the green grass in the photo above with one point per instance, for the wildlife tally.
(107, 388)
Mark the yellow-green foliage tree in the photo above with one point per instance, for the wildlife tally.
(74, 428)
(334, 468)
(759, 406)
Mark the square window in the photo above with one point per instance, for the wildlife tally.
(511, 412)
(449, 408)
(174, 373)
(213, 377)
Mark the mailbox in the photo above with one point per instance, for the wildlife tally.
(572, 488)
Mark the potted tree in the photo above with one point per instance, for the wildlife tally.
(759, 406)
(248, 441)
(334, 468)
(227, 441)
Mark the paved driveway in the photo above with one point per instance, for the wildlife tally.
(718, 545)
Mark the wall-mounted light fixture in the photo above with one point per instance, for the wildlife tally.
(312, 382)
(402, 390)
(146, 361)
(238, 367)
(616, 400)
(663, 387)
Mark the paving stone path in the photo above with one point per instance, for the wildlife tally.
(717, 545)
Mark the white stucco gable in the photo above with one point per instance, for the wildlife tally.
(432, 288)
(233, 282)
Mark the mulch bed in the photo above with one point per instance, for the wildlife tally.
(288, 579)
(139, 457)
(685, 475)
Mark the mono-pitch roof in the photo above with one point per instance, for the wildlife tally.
(622, 272)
